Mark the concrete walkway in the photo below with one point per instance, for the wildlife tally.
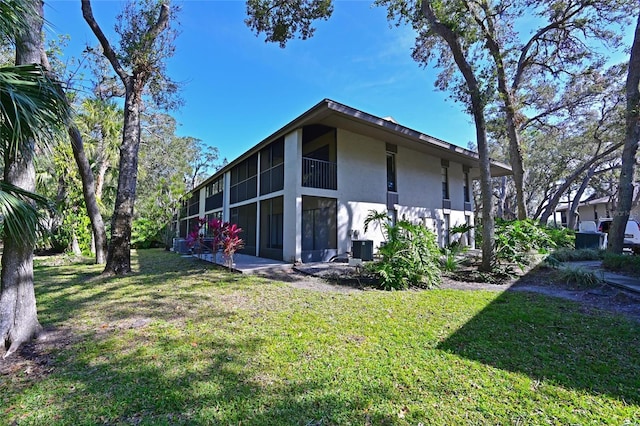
(625, 282)
(246, 264)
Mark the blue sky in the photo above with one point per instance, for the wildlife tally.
(238, 89)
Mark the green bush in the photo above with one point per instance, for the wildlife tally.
(572, 255)
(451, 256)
(622, 263)
(517, 239)
(561, 237)
(409, 258)
(60, 240)
(145, 234)
(578, 276)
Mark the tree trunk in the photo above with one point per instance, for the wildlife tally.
(573, 208)
(102, 165)
(84, 168)
(555, 199)
(502, 197)
(477, 110)
(515, 154)
(75, 246)
(488, 221)
(627, 171)
(18, 313)
(119, 253)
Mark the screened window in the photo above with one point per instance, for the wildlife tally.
(215, 187)
(244, 180)
(391, 172)
(272, 167)
(445, 183)
(467, 196)
(194, 204)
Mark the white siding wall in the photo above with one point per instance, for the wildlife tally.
(362, 186)
(292, 202)
(362, 183)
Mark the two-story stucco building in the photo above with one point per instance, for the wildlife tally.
(303, 193)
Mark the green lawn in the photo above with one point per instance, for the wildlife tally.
(182, 342)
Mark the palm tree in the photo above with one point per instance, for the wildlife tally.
(32, 109)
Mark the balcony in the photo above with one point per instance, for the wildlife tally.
(319, 174)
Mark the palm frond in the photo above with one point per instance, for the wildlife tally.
(20, 216)
(12, 13)
(32, 108)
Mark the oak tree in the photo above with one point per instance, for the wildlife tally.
(632, 136)
(146, 41)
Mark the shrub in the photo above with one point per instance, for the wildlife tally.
(579, 276)
(409, 258)
(622, 263)
(226, 237)
(517, 239)
(145, 234)
(571, 255)
(450, 258)
(561, 237)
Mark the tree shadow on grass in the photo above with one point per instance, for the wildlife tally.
(162, 279)
(208, 383)
(556, 340)
(171, 372)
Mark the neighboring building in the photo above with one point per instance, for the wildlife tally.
(593, 209)
(303, 193)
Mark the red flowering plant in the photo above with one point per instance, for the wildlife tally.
(232, 242)
(226, 237)
(195, 238)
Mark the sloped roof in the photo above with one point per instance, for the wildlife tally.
(334, 114)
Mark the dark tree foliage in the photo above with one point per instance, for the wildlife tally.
(283, 20)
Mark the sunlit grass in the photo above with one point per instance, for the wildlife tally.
(182, 342)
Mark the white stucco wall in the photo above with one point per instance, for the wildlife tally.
(362, 187)
(292, 201)
(587, 213)
(362, 183)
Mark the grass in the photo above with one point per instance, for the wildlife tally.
(182, 342)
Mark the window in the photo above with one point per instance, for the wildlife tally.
(393, 217)
(244, 180)
(194, 204)
(391, 172)
(214, 196)
(272, 167)
(215, 187)
(467, 198)
(274, 230)
(445, 183)
(467, 221)
(447, 226)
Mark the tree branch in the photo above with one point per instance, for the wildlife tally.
(109, 53)
(160, 25)
(525, 60)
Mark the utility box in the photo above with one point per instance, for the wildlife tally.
(180, 246)
(589, 240)
(362, 249)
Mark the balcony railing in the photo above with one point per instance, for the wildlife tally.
(319, 174)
